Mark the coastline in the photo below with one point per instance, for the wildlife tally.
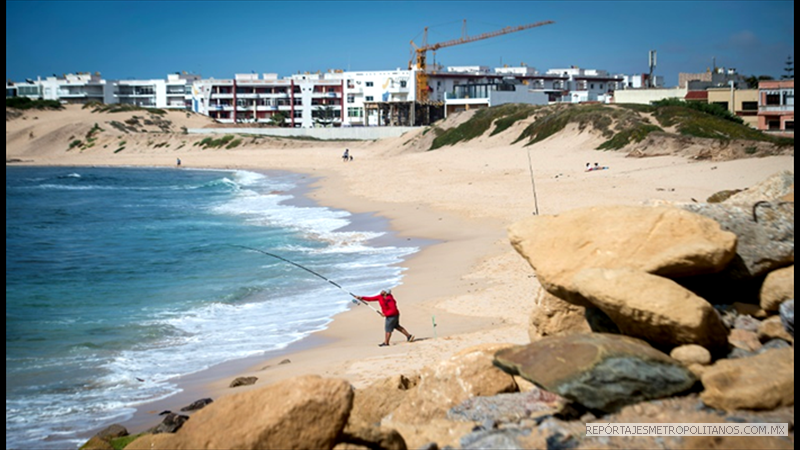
(352, 336)
(461, 199)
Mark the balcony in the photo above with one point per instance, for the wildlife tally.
(775, 108)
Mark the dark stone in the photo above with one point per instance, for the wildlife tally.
(112, 432)
(504, 407)
(745, 322)
(243, 381)
(172, 422)
(787, 316)
(765, 232)
(199, 404)
(773, 343)
(602, 372)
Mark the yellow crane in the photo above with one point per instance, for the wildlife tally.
(421, 52)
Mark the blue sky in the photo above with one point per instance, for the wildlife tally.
(149, 39)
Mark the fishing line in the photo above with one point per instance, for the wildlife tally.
(307, 270)
(533, 185)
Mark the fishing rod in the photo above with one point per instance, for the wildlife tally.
(355, 297)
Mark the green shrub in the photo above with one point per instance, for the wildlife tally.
(26, 103)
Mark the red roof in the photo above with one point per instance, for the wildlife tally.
(696, 95)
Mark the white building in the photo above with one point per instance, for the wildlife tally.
(80, 88)
(173, 93)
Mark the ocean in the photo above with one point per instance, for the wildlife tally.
(120, 280)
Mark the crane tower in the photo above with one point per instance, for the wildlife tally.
(421, 52)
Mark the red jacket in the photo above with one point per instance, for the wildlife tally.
(388, 305)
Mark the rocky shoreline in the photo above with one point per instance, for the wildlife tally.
(679, 313)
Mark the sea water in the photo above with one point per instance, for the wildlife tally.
(120, 280)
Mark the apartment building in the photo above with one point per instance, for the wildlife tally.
(175, 92)
(298, 101)
(776, 107)
(740, 102)
(77, 88)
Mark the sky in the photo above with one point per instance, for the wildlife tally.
(215, 39)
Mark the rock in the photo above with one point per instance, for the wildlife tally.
(172, 422)
(772, 328)
(376, 401)
(552, 316)
(697, 369)
(199, 404)
(787, 316)
(511, 407)
(602, 372)
(665, 241)
(749, 309)
(444, 433)
(738, 442)
(772, 189)
(466, 374)
(745, 322)
(745, 340)
(691, 354)
(97, 443)
(763, 245)
(652, 308)
(362, 436)
(777, 288)
(243, 381)
(303, 412)
(112, 432)
(765, 381)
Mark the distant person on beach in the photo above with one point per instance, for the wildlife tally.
(346, 155)
(590, 168)
(391, 313)
(179, 162)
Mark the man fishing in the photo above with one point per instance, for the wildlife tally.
(391, 313)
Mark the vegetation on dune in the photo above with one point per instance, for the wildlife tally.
(504, 115)
(120, 107)
(227, 141)
(620, 124)
(26, 103)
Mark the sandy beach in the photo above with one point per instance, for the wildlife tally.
(461, 198)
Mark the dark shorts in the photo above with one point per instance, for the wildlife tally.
(392, 322)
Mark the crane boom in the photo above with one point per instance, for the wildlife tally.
(421, 52)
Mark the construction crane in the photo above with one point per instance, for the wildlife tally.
(421, 52)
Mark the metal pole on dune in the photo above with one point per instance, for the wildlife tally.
(307, 270)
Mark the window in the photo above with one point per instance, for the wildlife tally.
(368, 98)
(749, 106)
(773, 99)
(722, 104)
(369, 83)
(351, 99)
(403, 84)
(788, 125)
(355, 112)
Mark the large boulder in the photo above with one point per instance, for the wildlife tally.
(466, 374)
(300, 413)
(660, 240)
(764, 381)
(652, 308)
(602, 372)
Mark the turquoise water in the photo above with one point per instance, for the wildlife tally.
(119, 280)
